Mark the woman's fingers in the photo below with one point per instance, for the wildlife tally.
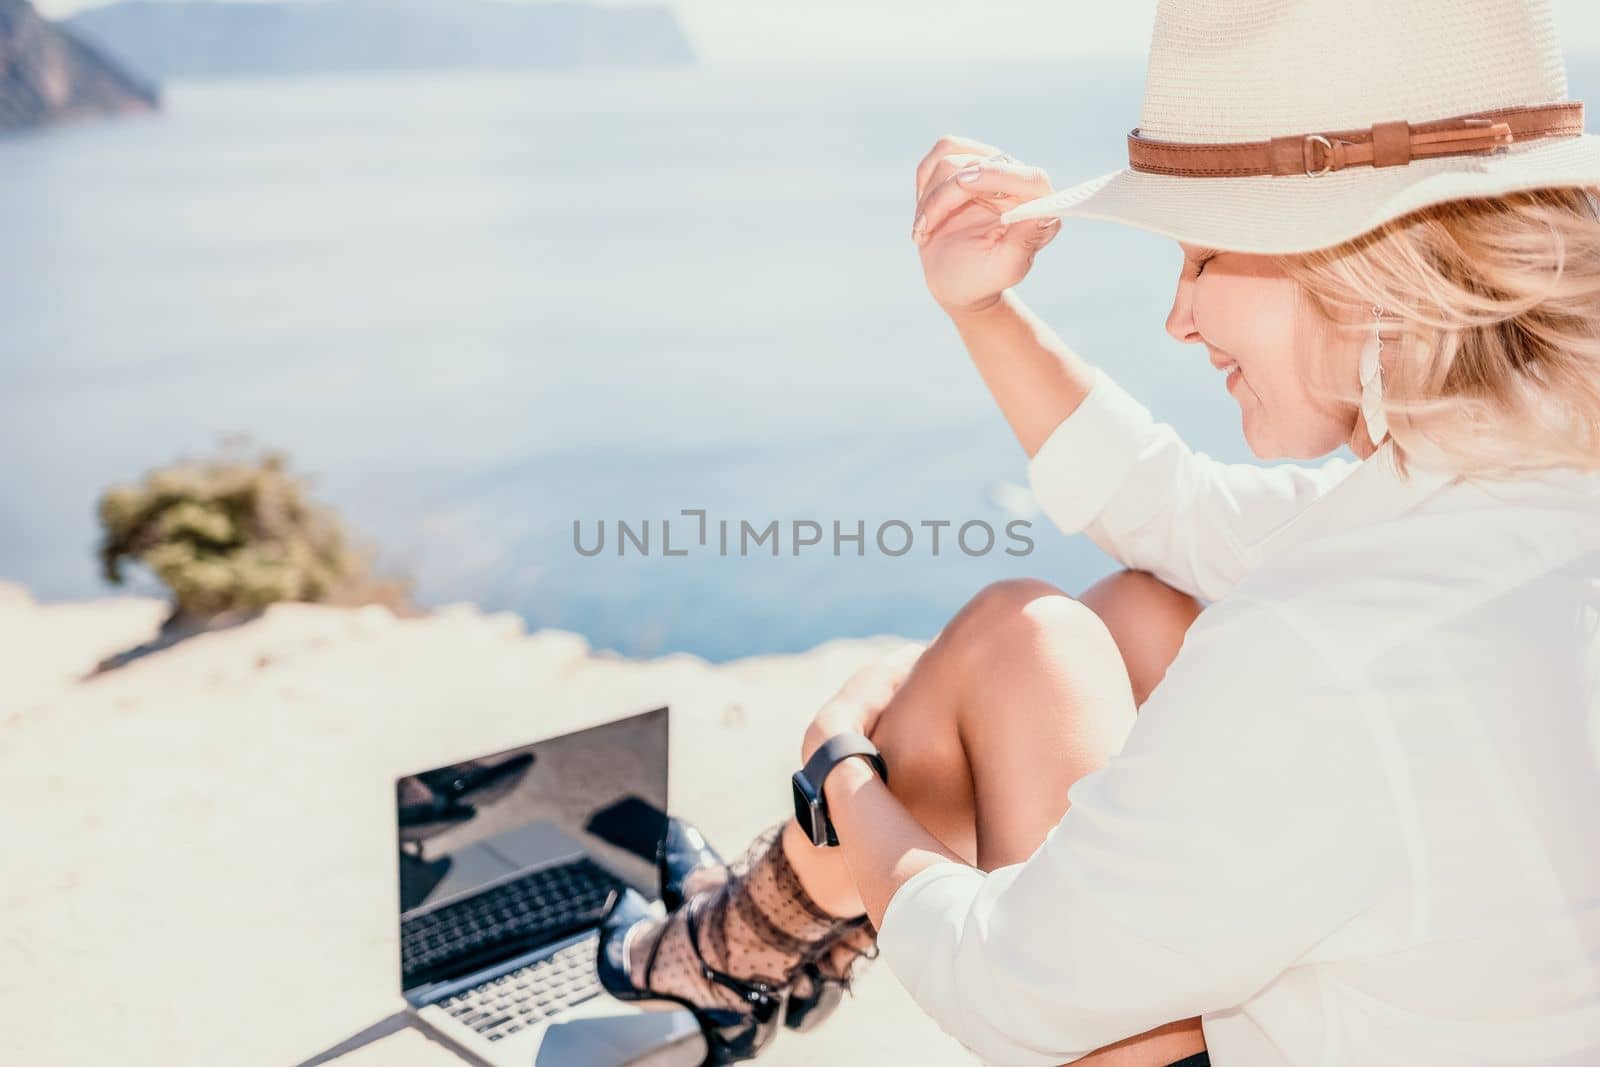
(948, 146)
(993, 183)
(1036, 233)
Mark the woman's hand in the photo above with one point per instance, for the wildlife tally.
(859, 702)
(968, 256)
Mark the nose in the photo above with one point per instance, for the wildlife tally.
(1180, 320)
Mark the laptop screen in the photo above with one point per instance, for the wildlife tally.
(501, 854)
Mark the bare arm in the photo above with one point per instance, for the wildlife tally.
(972, 264)
(1032, 374)
(1106, 468)
(883, 843)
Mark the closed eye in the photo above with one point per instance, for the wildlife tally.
(1200, 263)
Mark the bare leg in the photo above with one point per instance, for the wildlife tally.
(1025, 691)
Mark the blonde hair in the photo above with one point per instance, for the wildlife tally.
(1494, 366)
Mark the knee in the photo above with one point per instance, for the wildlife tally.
(1022, 617)
(1005, 636)
(1142, 590)
(1010, 600)
(1147, 618)
(1136, 606)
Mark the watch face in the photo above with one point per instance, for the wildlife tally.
(807, 807)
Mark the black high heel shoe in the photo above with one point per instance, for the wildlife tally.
(817, 993)
(730, 1034)
(683, 851)
(814, 993)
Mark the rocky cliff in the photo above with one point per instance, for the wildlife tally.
(47, 74)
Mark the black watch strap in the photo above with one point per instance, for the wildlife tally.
(829, 754)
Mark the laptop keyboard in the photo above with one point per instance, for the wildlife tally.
(538, 908)
(509, 1004)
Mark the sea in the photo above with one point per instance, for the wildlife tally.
(496, 317)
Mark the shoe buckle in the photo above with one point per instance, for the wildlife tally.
(752, 990)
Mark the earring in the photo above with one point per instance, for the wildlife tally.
(1371, 372)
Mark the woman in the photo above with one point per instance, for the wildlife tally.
(1354, 818)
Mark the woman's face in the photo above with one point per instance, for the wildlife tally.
(1242, 307)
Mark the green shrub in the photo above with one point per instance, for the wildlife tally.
(232, 535)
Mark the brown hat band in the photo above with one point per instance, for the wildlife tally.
(1385, 144)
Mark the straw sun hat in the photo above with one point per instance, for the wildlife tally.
(1271, 126)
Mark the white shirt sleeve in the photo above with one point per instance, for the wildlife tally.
(1248, 816)
(1132, 485)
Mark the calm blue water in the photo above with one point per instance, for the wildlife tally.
(476, 308)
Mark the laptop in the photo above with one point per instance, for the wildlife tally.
(506, 865)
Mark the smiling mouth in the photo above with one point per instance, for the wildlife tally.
(1231, 373)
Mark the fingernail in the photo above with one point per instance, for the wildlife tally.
(1045, 224)
(916, 227)
(969, 174)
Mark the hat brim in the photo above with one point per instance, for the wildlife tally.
(1297, 213)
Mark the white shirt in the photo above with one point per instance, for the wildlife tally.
(1357, 822)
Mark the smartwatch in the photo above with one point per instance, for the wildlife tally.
(810, 808)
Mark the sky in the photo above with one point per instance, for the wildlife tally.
(842, 30)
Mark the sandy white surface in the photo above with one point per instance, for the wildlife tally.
(197, 857)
